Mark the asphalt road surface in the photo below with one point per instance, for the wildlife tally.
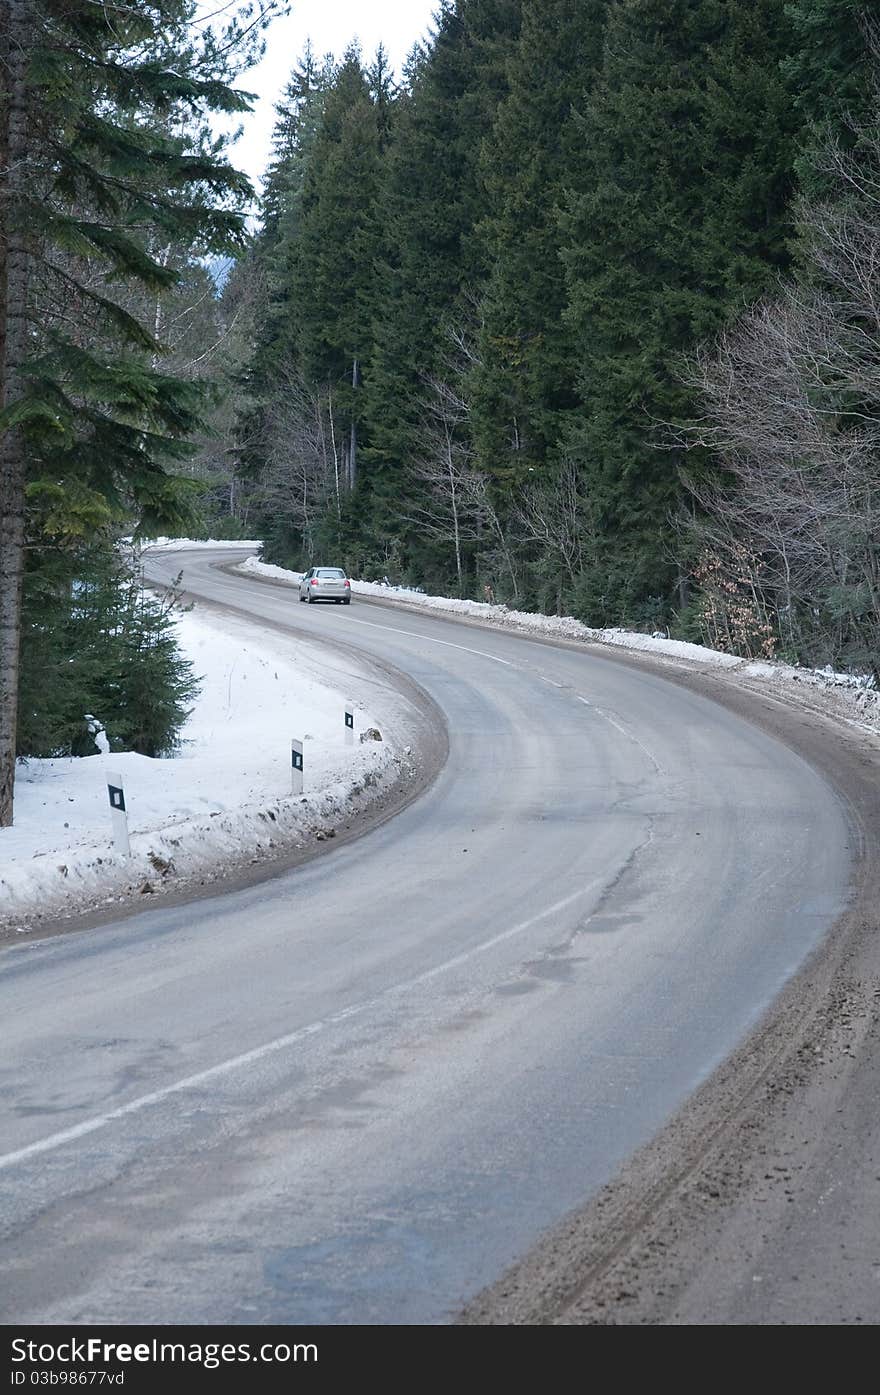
(357, 1092)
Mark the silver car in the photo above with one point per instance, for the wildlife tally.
(325, 584)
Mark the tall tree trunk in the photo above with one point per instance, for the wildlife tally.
(335, 451)
(456, 532)
(352, 450)
(14, 269)
(163, 259)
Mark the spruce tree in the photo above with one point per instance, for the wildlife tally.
(107, 158)
(298, 119)
(525, 385)
(271, 264)
(96, 645)
(338, 239)
(683, 219)
(436, 255)
(828, 66)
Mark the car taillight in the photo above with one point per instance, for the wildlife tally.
(348, 584)
(313, 581)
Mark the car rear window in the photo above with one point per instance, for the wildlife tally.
(331, 571)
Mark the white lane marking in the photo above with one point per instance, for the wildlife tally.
(552, 681)
(429, 639)
(56, 1140)
(270, 1048)
(460, 959)
(624, 732)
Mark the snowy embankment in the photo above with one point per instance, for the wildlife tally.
(224, 802)
(849, 698)
(196, 544)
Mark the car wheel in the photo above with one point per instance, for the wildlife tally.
(309, 597)
(301, 599)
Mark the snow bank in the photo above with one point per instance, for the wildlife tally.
(525, 621)
(192, 544)
(852, 698)
(224, 800)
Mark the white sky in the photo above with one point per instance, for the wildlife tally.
(331, 25)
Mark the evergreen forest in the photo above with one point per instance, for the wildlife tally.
(578, 313)
(540, 320)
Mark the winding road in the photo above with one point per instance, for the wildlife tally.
(358, 1091)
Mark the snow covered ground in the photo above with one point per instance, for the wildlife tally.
(846, 697)
(194, 544)
(224, 800)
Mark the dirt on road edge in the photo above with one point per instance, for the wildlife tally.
(724, 1217)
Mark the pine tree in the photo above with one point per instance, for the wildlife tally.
(105, 160)
(271, 265)
(338, 239)
(828, 66)
(436, 258)
(95, 645)
(684, 219)
(298, 120)
(383, 91)
(525, 385)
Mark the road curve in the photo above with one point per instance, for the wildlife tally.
(359, 1091)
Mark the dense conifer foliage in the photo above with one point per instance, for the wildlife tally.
(485, 284)
(98, 651)
(111, 188)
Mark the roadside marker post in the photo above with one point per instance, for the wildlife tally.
(118, 814)
(349, 724)
(296, 767)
